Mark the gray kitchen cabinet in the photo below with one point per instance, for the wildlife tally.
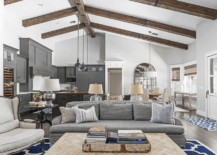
(54, 72)
(70, 71)
(21, 69)
(10, 55)
(82, 82)
(61, 74)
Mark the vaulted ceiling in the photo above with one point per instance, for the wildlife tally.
(174, 21)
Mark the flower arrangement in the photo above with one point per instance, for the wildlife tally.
(37, 98)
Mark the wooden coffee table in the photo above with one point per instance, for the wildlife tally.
(71, 144)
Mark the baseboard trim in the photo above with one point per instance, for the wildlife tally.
(201, 113)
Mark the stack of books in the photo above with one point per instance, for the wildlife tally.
(131, 137)
(96, 134)
(37, 104)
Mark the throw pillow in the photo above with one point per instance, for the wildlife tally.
(68, 114)
(163, 114)
(83, 115)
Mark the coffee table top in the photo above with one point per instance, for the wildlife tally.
(71, 144)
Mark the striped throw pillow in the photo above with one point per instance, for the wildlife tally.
(83, 115)
(163, 114)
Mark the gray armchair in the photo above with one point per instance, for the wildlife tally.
(16, 134)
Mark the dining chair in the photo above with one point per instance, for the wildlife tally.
(166, 96)
(156, 90)
(145, 95)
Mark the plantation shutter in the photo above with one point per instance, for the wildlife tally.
(191, 70)
(175, 74)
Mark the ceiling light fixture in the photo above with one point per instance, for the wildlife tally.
(72, 22)
(40, 4)
(83, 67)
(87, 68)
(78, 63)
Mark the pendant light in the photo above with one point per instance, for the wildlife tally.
(83, 67)
(78, 63)
(150, 73)
(87, 68)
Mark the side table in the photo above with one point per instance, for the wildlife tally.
(41, 115)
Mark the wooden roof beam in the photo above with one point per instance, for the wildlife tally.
(182, 7)
(84, 18)
(141, 22)
(50, 17)
(140, 36)
(7, 2)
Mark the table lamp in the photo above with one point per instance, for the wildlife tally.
(50, 85)
(136, 91)
(95, 89)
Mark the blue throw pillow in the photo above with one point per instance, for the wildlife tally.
(163, 114)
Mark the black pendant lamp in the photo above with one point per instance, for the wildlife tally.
(87, 68)
(78, 63)
(83, 67)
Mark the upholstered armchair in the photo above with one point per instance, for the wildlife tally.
(16, 134)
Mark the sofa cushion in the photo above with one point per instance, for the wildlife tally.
(6, 110)
(85, 105)
(143, 110)
(19, 138)
(116, 111)
(8, 126)
(114, 125)
(68, 114)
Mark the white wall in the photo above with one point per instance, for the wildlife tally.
(134, 52)
(1, 46)
(13, 30)
(206, 42)
(66, 51)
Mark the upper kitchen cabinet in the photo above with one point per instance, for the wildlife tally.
(54, 72)
(10, 55)
(61, 74)
(21, 69)
(39, 61)
(70, 71)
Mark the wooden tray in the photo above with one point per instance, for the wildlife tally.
(117, 148)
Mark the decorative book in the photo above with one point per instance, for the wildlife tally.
(131, 134)
(37, 104)
(97, 130)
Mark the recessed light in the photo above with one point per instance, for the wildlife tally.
(40, 4)
(72, 22)
(155, 34)
(57, 23)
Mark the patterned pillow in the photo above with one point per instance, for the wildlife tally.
(68, 114)
(83, 115)
(163, 114)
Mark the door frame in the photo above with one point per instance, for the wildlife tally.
(207, 55)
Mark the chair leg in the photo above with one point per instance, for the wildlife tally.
(42, 146)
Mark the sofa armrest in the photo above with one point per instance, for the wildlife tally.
(178, 122)
(57, 120)
(29, 124)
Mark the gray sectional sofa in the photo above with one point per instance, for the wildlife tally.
(119, 115)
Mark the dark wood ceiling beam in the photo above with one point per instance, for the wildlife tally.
(139, 36)
(50, 17)
(61, 31)
(7, 2)
(84, 18)
(182, 7)
(141, 22)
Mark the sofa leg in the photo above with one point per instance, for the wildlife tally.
(42, 146)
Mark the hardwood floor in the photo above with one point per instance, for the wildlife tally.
(209, 138)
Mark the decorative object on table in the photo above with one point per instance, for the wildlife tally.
(205, 123)
(116, 144)
(76, 89)
(166, 96)
(163, 114)
(96, 135)
(83, 115)
(192, 147)
(95, 89)
(37, 98)
(68, 114)
(107, 95)
(50, 85)
(136, 91)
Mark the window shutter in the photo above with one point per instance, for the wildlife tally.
(191, 70)
(175, 74)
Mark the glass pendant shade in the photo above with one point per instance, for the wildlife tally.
(78, 64)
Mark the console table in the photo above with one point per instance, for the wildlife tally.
(187, 94)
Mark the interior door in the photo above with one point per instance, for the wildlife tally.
(212, 87)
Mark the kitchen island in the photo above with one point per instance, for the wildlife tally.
(62, 98)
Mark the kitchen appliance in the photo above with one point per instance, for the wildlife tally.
(71, 79)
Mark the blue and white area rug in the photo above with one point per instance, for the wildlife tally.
(204, 123)
(192, 147)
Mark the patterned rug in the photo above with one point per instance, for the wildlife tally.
(192, 147)
(204, 123)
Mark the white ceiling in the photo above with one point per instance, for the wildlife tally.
(30, 8)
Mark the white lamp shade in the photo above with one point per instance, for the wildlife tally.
(95, 89)
(50, 85)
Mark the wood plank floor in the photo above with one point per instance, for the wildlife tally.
(193, 132)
